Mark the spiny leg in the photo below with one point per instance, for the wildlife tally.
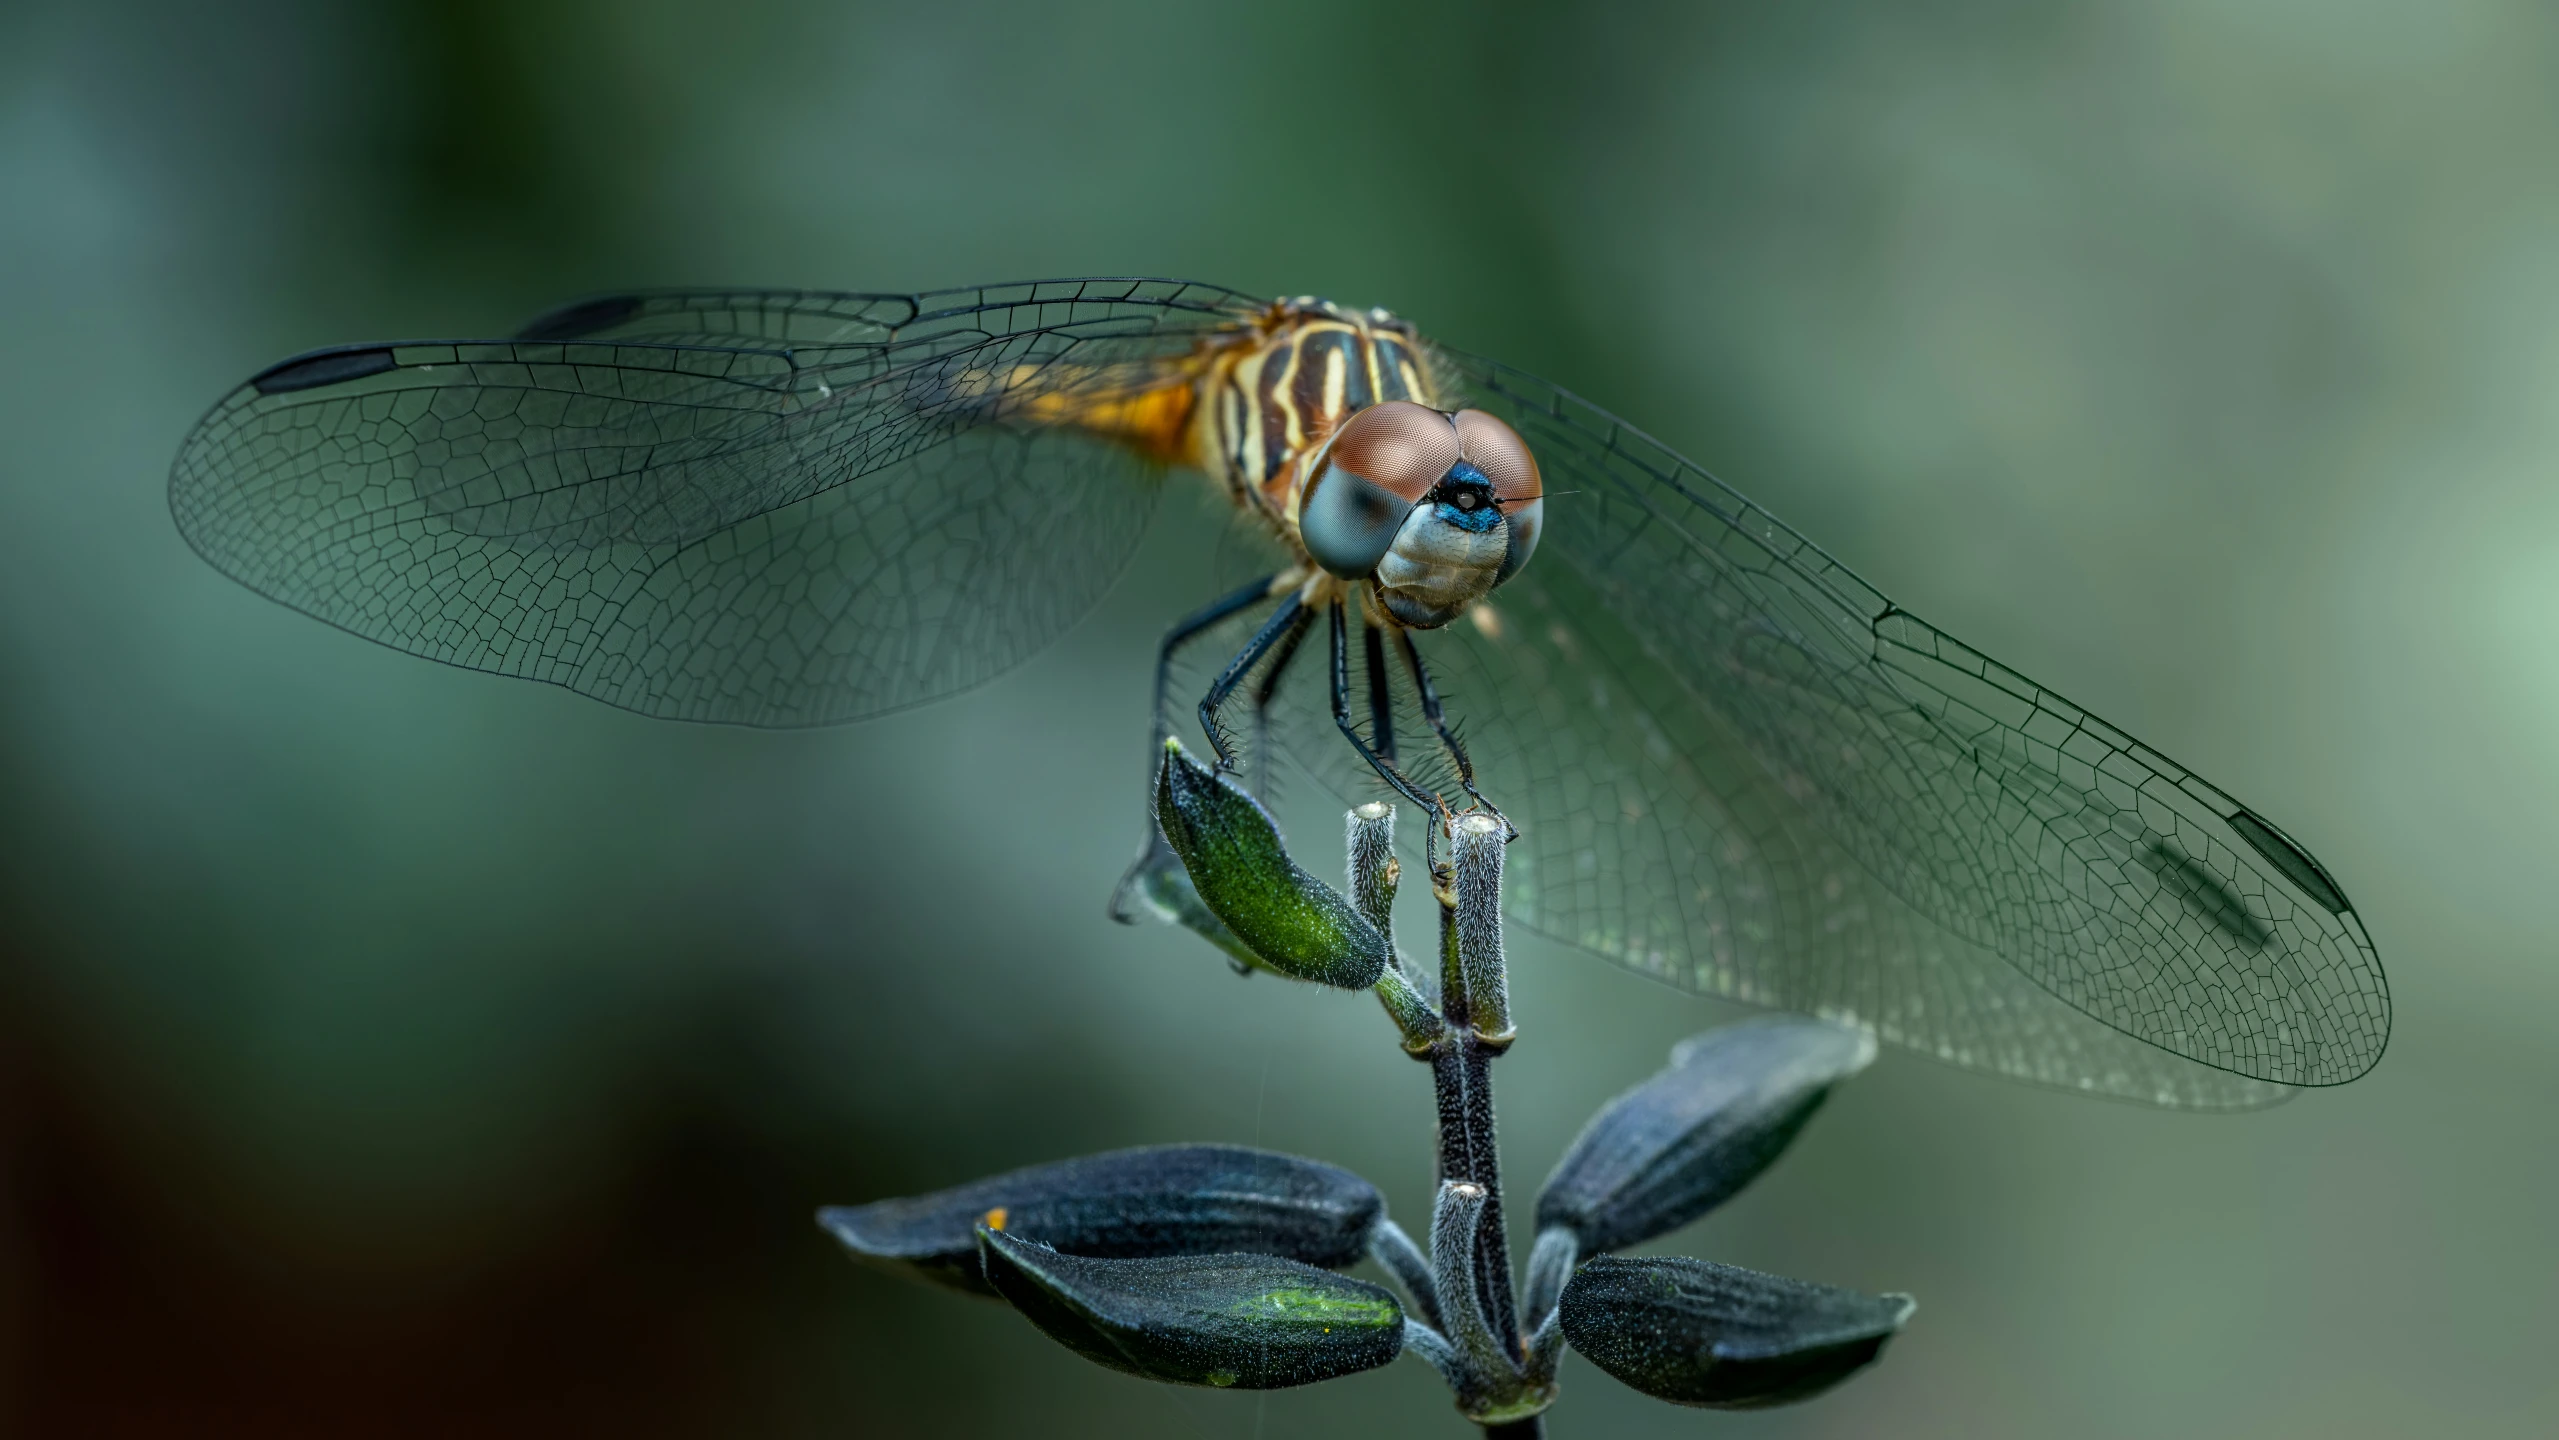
(1155, 856)
(1283, 620)
(1342, 717)
(1262, 694)
(1381, 702)
(1439, 726)
(1185, 631)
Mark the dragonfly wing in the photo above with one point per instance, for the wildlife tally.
(1690, 863)
(770, 508)
(1752, 775)
(958, 318)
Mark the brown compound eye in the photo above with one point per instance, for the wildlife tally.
(1378, 467)
(1398, 446)
(1497, 450)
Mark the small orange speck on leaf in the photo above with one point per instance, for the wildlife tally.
(995, 1218)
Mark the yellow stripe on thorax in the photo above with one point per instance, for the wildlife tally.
(1249, 406)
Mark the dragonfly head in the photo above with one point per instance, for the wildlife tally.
(1436, 508)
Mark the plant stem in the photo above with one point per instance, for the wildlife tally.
(1474, 989)
(1373, 874)
(1475, 875)
(1473, 1026)
(1461, 1073)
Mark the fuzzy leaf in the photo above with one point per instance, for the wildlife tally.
(1697, 1333)
(1154, 1201)
(1293, 923)
(1245, 1322)
(1685, 1140)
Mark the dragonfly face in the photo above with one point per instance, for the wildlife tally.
(1437, 508)
(1733, 765)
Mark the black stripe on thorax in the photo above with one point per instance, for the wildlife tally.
(1399, 370)
(1271, 397)
(1304, 383)
(1333, 380)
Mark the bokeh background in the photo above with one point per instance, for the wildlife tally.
(387, 1049)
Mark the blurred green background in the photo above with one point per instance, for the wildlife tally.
(387, 1049)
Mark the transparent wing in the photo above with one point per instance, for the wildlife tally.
(1688, 861)
(765, 507)
(1739, 768)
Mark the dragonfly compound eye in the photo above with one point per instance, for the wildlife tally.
(1480, 518)
(1525, 521)
(1503, 457)
(1496, 449)
(1377, 468)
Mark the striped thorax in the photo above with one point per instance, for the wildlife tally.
(1329, 425)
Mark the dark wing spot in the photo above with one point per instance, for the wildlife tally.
(324, 367)
(581, 318)
(2291, 859)
(2206, 895)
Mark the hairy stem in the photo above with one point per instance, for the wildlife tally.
(1396, 1254)
(1475, 1003)
(1476, 877)
(1461, 1073)
(1456, 1221)
(1374, 871)
(1478, 1342)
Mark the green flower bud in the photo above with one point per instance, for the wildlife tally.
(1293, 923)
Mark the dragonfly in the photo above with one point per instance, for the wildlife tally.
(1727, 762)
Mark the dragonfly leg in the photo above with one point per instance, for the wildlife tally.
(1262, 693)
(1136, 890)
(1383, 765)
(1184, 632)
(1381, 701)
(1283, 621)
(1447, 738)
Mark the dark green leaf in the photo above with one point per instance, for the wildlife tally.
(1154, 1201)
(1246, 1322)
(1697, 1333)
(1684, 1141)
(1292, 922)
